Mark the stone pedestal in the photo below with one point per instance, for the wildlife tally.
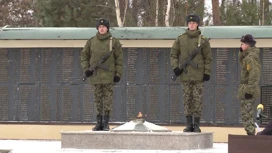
(136, 140)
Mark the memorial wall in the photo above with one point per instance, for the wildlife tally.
(43, 85)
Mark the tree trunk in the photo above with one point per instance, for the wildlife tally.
(216, 12)
(157, 13)
(174, 13)
(264, 12)
(186, 11)
(267, 20)
(167, 13)
(125, 12)
(118, 14)
(223, 11)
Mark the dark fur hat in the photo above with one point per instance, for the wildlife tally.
(104, 22)
(248, 39)
(193, 17)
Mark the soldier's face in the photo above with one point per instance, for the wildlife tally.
(102, 29)
(244, 46)
(192, 25)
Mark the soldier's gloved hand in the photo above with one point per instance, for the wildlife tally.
(206, 77)
(177, 71)
(248, 96)
(116, 79)
(88, 73)
(241, 50)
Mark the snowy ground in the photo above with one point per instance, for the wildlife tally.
(33, 146)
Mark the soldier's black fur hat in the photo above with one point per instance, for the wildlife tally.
(248, 39)
(193, 17)
(104, 22)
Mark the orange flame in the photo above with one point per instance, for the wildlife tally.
(140, 115)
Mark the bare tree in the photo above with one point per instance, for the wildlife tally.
(167, 15)
(264, 12)
(216, 12)
(120, 21)
(174, 12)
(223, 11)
(157, 13)
(125, 12)
(118, 14)
(267, 19)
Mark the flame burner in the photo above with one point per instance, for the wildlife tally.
(138, 134)
(141, 125)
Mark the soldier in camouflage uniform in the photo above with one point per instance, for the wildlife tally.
(193, 79)
(249, 85)
(101, 79)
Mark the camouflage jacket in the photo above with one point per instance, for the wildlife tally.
(95, 48)
(250, 73)
(183, 47)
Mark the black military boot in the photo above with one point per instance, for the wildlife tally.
(106, 123)
(196, 124)
(189, 127)
(98, 126)
(251, 133)
(248, 133)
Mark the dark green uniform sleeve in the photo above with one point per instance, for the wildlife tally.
(207, 55)
(253, 69)
(174, 54)
(118, 55)
(85, 56)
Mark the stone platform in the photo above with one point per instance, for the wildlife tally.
(136, 140)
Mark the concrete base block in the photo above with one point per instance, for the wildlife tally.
(136, 140)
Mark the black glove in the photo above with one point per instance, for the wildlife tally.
(116, 79)
(206, 77)
(241, 50)
(177, 71)
(88, 73)
(248, 96)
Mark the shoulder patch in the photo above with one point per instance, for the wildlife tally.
(248, 67)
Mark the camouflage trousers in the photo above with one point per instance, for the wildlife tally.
(247, 112)
(103, 98)
(192, 98)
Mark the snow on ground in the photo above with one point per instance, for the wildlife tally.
(35, 146)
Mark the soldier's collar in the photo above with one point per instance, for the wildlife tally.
(102, 37)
